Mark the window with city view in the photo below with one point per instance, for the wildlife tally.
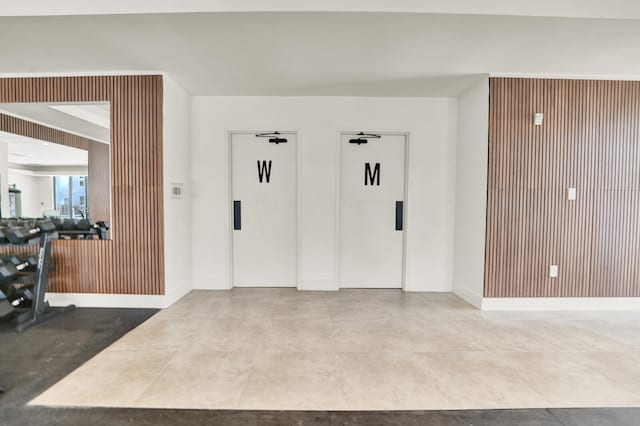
(70, 196)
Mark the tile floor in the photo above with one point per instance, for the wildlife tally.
(280, 349)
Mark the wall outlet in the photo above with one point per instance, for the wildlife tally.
(572, 194)
(538, 118)
(553, 271)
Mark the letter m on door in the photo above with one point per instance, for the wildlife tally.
(371, 176)
(264, 170)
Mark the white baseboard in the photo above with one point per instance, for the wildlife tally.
(422, 286)
(469, 296)
(318, 284)
(561, 304)
(90, 300)
(204, 284)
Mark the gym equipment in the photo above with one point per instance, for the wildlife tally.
(6, 309)
(40, 310)
(84, 224)
(57, 222)
(83, 229)
(20, 235)
(8, 274)
(75, 225)
(14, 286)
(70, 225)
(29, 259)
(24, 277)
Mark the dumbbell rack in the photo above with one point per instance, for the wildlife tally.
(40, 310)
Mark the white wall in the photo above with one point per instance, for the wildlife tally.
(471, 192)
(177, 211)
(37, 192)
(432, 125)
(27, 184)
(45, 193)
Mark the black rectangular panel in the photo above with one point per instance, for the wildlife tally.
(237, 215)
(399, 214)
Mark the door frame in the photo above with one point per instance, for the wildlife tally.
(297, 193)
(405, 213)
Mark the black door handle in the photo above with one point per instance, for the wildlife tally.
(399, 215)
(237, 215)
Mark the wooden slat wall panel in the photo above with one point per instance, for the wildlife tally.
(133, 261)
(99, 182)
(590, 140)
(616, 261)
(33, 130)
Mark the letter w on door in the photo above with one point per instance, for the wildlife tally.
(370, 177)
(264, 170)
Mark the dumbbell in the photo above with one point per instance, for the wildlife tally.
(8, 274)
(22, 236)
(15, 290)
(77, 225)
(85, 224)
(57, 222)
(30, 260)
(103, 229)
(70, 225)
(9, 223)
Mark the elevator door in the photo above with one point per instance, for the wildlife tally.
(372, 181)
(264, 210)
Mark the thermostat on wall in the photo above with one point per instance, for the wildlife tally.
(176, 190)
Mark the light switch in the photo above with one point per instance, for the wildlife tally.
(553, 271)
(571, 194)
(538, 118)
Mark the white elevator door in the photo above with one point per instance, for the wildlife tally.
(264, 211)
(372, 178)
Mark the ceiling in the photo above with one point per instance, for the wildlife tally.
(32, 152)
(84, 119)
(98, 114)
(621, 9)
(329, 54)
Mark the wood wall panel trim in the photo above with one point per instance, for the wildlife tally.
(19, 126)
(99, 182)
(133, 261)
(590, 140)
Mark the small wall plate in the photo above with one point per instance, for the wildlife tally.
(538, 118)
(176, 190)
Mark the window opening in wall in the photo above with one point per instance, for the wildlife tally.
(70, 196)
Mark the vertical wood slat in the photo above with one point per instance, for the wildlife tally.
(99, 189)
(589, 140)
(133, 261)
(29, 129)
